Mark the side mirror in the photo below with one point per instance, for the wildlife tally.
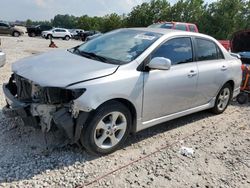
(160, 63)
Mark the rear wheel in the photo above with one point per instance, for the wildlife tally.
(67, 37)
(222, 99)
(107, 130)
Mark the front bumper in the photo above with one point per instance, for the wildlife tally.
(2, 59)
(34, 114)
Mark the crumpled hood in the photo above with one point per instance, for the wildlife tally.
(61, 68)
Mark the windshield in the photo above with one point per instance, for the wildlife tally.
(119, 46)
(162, 25)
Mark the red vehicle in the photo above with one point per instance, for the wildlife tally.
(226, 44)
(176, 25)
(186, 27)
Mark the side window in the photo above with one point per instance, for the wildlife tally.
(57, 30)
(181, 27)
(207, 50)
(220, 55)
(178, 50)
(192, 28)
(3, 25)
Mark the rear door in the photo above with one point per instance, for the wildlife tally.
(212, 67)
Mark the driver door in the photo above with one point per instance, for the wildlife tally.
(174, 90)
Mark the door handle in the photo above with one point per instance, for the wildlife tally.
(192, 73)
(224, 67)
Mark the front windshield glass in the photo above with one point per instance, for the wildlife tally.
(119, 46)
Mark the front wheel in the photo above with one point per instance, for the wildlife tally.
(222, 99)
(16, 34)
(107, 130)
(49, 36)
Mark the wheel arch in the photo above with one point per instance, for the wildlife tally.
(232, 84)
(129, 105)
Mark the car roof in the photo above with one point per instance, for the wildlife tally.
(59, 28)
(164, 31)
(162, 22)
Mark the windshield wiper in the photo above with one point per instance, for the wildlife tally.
(93, 55)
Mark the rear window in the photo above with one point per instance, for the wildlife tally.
(192, 28)
(207, 50)
(181, 27)
(162, 25)
(178, 50)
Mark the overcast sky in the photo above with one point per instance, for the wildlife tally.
(11, 10)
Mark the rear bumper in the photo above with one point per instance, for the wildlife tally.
(2, 59)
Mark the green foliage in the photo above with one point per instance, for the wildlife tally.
(219, 19)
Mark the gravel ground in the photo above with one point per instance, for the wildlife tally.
(221, 147)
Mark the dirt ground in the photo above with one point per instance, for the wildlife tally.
(151, 158)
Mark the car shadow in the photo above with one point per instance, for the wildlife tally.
(24, 153)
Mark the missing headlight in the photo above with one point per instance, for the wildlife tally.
(53, 95)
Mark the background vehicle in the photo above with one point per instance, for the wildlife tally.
(83, 35)
(37, 30)
(2, 58)
(185, 27)
(75, 33)
(93, 36)
(7, 29)
(122, 82)
(175, 25)
(240, 44)
(57, 33)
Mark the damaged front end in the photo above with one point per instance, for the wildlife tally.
(45, 106)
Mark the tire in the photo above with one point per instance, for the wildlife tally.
(49, 36)
(98, 135)
(222, 100)
(67, 37)
(16, 34)
(32, 34)
(242, 98)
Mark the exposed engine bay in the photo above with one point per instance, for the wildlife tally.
(45, 106)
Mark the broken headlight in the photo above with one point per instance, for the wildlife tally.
(53, 95)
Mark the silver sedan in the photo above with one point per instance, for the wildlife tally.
(122, 82)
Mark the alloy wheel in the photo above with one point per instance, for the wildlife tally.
(223, 99)
(110, 130)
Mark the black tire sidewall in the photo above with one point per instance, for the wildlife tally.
(216, 109)
(16, 32)
(87, 136)
(242, 98)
